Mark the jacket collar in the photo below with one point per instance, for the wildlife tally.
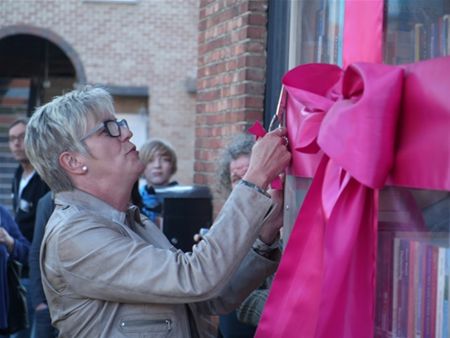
(83, 200)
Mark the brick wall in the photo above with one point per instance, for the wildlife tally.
(149, 43)
(231, 79)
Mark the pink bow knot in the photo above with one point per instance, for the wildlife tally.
(344, 113)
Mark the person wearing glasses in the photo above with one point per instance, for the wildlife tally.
(27, 188)
(106, 271)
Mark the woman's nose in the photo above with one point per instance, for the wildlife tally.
(125, 133)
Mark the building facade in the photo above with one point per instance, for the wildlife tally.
(191, 72)
(143, 51)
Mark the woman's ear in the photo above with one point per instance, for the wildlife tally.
(72, 163)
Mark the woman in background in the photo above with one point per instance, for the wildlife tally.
(160, 162)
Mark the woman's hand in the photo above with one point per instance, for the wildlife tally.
(7, 239)
(270, 231)
(269, 158)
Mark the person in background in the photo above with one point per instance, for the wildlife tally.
(234, 162)
(27, 189)
(42, 326)
(160, 162)
(233, 166)
(251, 309)
(13, 245)
(106, 271)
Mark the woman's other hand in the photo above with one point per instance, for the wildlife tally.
(270, 231)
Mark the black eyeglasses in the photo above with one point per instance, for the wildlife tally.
(112, 127)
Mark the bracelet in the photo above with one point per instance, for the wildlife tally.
(264, 249)
(254, 186)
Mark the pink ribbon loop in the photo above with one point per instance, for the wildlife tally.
(359, 129)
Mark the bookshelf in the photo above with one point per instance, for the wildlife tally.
(316, 32)
(416, 30)
(413, 263)
(413, 259)
(413, 30)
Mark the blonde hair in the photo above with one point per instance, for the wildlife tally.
(58, 126)
(151, 147)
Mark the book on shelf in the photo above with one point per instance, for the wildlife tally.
(413, 276)
(383, 314)
(440, 291)
(320, 53)
(446, 34)
(329, 23)
(429, 291)
(445, 306)
(432, 39)
(420, 43)
(400, 288)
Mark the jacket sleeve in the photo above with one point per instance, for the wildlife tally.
(21, 244)
(251, 309)
(98, 261)
(252, 272)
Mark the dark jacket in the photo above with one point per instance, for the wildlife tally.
(44, 210)
(19, 253)
(25, 205)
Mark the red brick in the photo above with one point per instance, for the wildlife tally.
(257, 19)
(256, 32)
(231, 76)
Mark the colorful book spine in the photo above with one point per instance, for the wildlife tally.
(385, 284)
(446, 310)
(413, 284)
(395, 286)
(420, 260)
(440, 291)
(429, 298)
(446, 34)
(412, 289)
(403, 288)
(418, 35)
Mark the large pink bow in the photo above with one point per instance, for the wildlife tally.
(354, 131)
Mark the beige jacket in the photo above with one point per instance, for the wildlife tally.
(114, 274)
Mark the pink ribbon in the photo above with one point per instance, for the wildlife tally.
(369, 125)
(363, 31)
